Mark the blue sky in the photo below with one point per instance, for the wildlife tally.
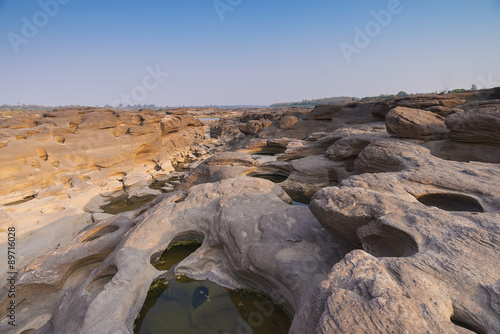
(93, 52)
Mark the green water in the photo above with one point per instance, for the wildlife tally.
(123, 204)
(181, 305)
(175, 253)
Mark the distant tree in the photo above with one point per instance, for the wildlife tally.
(474, 87)
(402, 94)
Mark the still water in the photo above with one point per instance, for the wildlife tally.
(178, 304)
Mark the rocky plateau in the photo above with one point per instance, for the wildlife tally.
(398, 231)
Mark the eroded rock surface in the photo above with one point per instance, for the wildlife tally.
(415, 123)
(402, 234)
(251, 238)
(419, 270)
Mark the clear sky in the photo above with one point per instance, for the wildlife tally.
(97, 52)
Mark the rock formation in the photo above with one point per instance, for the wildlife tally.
(402, 232)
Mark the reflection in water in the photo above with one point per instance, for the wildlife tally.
(123, 204)
(295, 203)
(299, 199)
(175, 253)
(183, 305)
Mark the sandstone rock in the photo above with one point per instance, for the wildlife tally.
(476, 126)
(415, 123)
(408, 282)
(287, 122)
(465, 152)
(85, 140)
(220, 166)
(254, 127)
(347, 147)
(223, 129)
(170, 124)
(261, 240)
(401, 241)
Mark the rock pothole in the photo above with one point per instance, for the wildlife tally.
(105, 276)
(98, 232)
(451, 202)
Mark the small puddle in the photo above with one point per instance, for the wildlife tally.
(178, 304)
(207, 119)
(175, 253)
(298, 198)
(124, 204)
(179, 167)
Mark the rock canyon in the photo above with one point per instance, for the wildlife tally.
(362, 217)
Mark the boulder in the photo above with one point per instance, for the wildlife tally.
(287, 122)
(428, 236)
(253, 127)
(412, 123)
(476, 126)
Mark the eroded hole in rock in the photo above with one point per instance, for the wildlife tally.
(389, 242)
(273, 176)
(181, 198)
(167, 185)
(463, 319)
(183, 166)
(333, 177)
(451, 202)
(24, 200)
(183, 305)
(179, 248)
(298, 198)
(104, 277)
(28, 331)
(98, 232)
(42, 153)
(349, 164)
(124, 204)
(288, 158)
(270, 150)
(175, 253)
(146, 154)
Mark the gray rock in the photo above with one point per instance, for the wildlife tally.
(404, 122)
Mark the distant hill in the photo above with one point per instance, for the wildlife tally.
(341, 99)
(313, 103)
